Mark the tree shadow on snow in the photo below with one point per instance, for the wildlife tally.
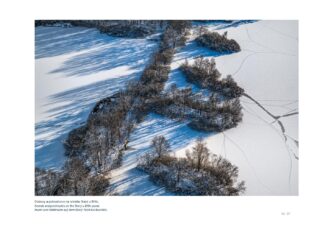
(55, 41)
(96, 52)
(117, 52)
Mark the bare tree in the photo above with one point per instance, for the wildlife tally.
(160, 145)
(200, 154)
(97, 143)
(76, 174)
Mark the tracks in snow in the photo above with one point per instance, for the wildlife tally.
(277, 119)
(283, 130)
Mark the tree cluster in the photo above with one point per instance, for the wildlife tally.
(175, 34)
(203, 72)
(46, 182)
(200, 173)
(218, 43)
(127, 30)
(220, 117)
(75, 179)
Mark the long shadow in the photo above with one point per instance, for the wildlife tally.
(102, 52)
(177, 133)
(55, 41)
(115, 53)
(137, 183)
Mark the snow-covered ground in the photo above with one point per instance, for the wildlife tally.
(267, 68)
(75, 67)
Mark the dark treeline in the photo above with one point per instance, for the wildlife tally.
(200, 173)
(117, 28)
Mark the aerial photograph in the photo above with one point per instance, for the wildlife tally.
(166, 108)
